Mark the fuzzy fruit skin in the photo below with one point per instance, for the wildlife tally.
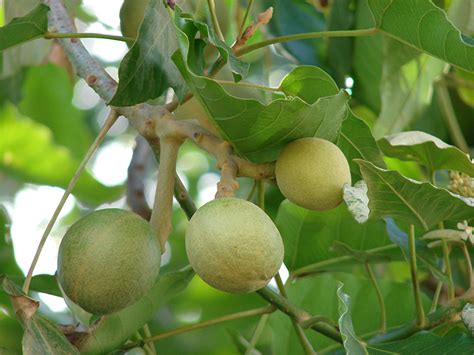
(311, 173)
(108, 260)
(233, 245)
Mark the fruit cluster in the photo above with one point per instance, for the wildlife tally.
(110, 258)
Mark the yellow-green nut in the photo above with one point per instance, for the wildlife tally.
(311, 173)
(233, 245)
(108, 260)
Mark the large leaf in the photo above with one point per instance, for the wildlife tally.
(318, 296)
(352, 344)
(309, 235)
(356, 142)
(427, 342)
(147, 70)
(259, 131)
(47, 98)
(427, 150)
(406, 85)
(422, 204)
(424, 26)
(22, 29)
(43, 337)
(114, 330)
(29, 153)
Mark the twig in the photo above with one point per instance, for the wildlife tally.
(50, 35)
(135, 180)
(262, 322)
(112, 117)
(215, 21)
(383, 313)
(226, 318)
(420, 313)
(307, 347)
(244, 20)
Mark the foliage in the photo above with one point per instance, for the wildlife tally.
(389, 82)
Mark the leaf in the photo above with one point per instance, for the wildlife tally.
(424, 26)
(360, 256)
(22, 29)
(147, 70)
(352, 344)
(28, 152)
(422, 204)
(46, 284)
(259, 131)
(43, 337)
(427, 150)
(308, 236)
(406, 86)
(8, 263)
(308, 83)
(425, 342)
(356, 142)
(115, 329)
(357, 201)
(317, 295)
(47, 98)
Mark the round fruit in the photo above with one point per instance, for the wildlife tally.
(233, 245)
(311, 172)
(108, 260)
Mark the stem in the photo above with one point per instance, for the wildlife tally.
(163, 204)
(469, 265)
(383, 314)
(307, 347)
(252, 191)
(229, 317)
(437, 293)
(50, 35)
(300, 316)
(248, 85)
(244, 20)
(215, 21)
(149, 346)
(449, 115)
(420, 313)
(262, 322)
(308, 35)
(112, 117)
(449, 271)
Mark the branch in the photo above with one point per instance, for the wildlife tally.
(135, 180)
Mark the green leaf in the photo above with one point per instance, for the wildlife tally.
(424, 26)
(406, 86)
(8, 263)
(425, 342)
(308, 236)
(352, 344)
(356, 142)
(317, 295)
(46, 284)
(47, 98)
(147, 70)
(43, 337)
(427, 150)
(113, 330)
(308, 83)
(422, 204)
(22, 29)
(28, 152)
(466, 86)
(259, 131)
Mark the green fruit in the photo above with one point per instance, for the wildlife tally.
(131, 16)
(311, 172)
(108, 260)
(233, 245)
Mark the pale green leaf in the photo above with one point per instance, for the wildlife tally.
(422, 204)
(422, 25)
(427, 150)
(352, 344)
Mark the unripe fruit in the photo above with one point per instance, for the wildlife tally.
(108, 260)
(233, 245)
(311, 172)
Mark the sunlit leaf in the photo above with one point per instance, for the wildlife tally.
(424, 26)
(27, 151)
(422, 204)
(426, 150)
